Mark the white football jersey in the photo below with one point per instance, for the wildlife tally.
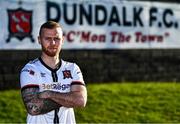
(37, 73)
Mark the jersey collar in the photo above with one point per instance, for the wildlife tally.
(51, 69)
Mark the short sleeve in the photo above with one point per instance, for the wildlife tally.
(28, 76)
(77, 75)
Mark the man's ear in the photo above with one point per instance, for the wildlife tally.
(39, 40)
(62, 39)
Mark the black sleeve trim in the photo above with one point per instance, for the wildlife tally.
(29, 86)
(77, 83)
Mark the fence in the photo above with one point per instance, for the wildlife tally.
(101, 65)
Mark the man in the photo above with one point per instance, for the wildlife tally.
(51, 87)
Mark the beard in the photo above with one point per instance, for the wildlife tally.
(50, 51)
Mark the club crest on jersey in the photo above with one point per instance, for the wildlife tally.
(20, 24)
(67, 74)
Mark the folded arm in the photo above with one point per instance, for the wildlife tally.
(36, 105)
(77, 97)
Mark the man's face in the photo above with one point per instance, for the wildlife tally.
(51, 41)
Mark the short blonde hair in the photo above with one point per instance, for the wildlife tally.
(49, 25)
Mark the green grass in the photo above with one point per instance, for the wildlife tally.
(116, 102)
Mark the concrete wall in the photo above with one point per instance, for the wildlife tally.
(101, 65)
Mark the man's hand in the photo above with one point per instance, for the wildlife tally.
(45, 94)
